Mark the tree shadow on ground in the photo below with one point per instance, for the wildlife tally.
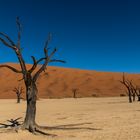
(77, 126)
(13, 127)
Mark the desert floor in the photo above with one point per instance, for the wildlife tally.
(78, 119)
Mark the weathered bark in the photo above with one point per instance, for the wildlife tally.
(138, 97)
(31, 96)
(134, 97)
(130, 97)
(18, 99)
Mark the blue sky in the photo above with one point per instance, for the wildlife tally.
(99, 35)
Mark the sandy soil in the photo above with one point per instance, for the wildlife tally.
(78, 119)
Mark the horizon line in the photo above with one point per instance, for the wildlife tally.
(76, 68)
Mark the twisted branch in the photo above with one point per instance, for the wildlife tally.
(8, 38)
(11, 68)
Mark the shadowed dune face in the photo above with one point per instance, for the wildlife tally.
(58, 82)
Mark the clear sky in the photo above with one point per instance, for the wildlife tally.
(99, 35)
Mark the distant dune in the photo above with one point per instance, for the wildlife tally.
(58, 82)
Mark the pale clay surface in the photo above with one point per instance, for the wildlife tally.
(85, 118)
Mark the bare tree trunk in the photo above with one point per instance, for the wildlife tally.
(138, 97)
(74, 94)
(18, 99)
(134, 97)
(31, 96)
(130, 98)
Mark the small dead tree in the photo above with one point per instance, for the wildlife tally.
(30, 76)
(126, 83)
(13, 123)
(132, 89)
(18, 90)
(74, 92)
(136, 90)
(133, 95)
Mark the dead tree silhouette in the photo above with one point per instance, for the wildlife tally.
(138, 92)
(135, 90)
(132, 89)
(30, 76)
(18, 90)
(75, 92)
(126, 83)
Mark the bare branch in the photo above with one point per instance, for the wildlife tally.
(124, 81)
(48, 41)
(33, 58)
(52, 53)
(21, 61)
(8, 38)
(11, 68)
(46, 52)
(43, 67)
(19, 31)
(47, 59)
(18, 90)
(46, 45)
(15, 89)
(130, 88)
(35, 63)
(40, 70)
(123, 77)
(16, 49)
(6, 43)
(57, 60)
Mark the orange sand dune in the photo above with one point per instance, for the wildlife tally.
(58, 82)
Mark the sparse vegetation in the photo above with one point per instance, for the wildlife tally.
(74, 91)
(122, 95)
(94, 95)
(132, 90)
(18, 90)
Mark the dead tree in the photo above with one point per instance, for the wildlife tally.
(30, 76)
(138, 93)
(133, 89)
(136, 90)
(74, 92)
(18, 90)
(13, 123)
(133, 95)
(126, 83)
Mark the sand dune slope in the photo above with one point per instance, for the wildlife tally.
(58, 83)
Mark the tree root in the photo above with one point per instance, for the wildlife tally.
(44, 133)
(11, 123)
(15, 126)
